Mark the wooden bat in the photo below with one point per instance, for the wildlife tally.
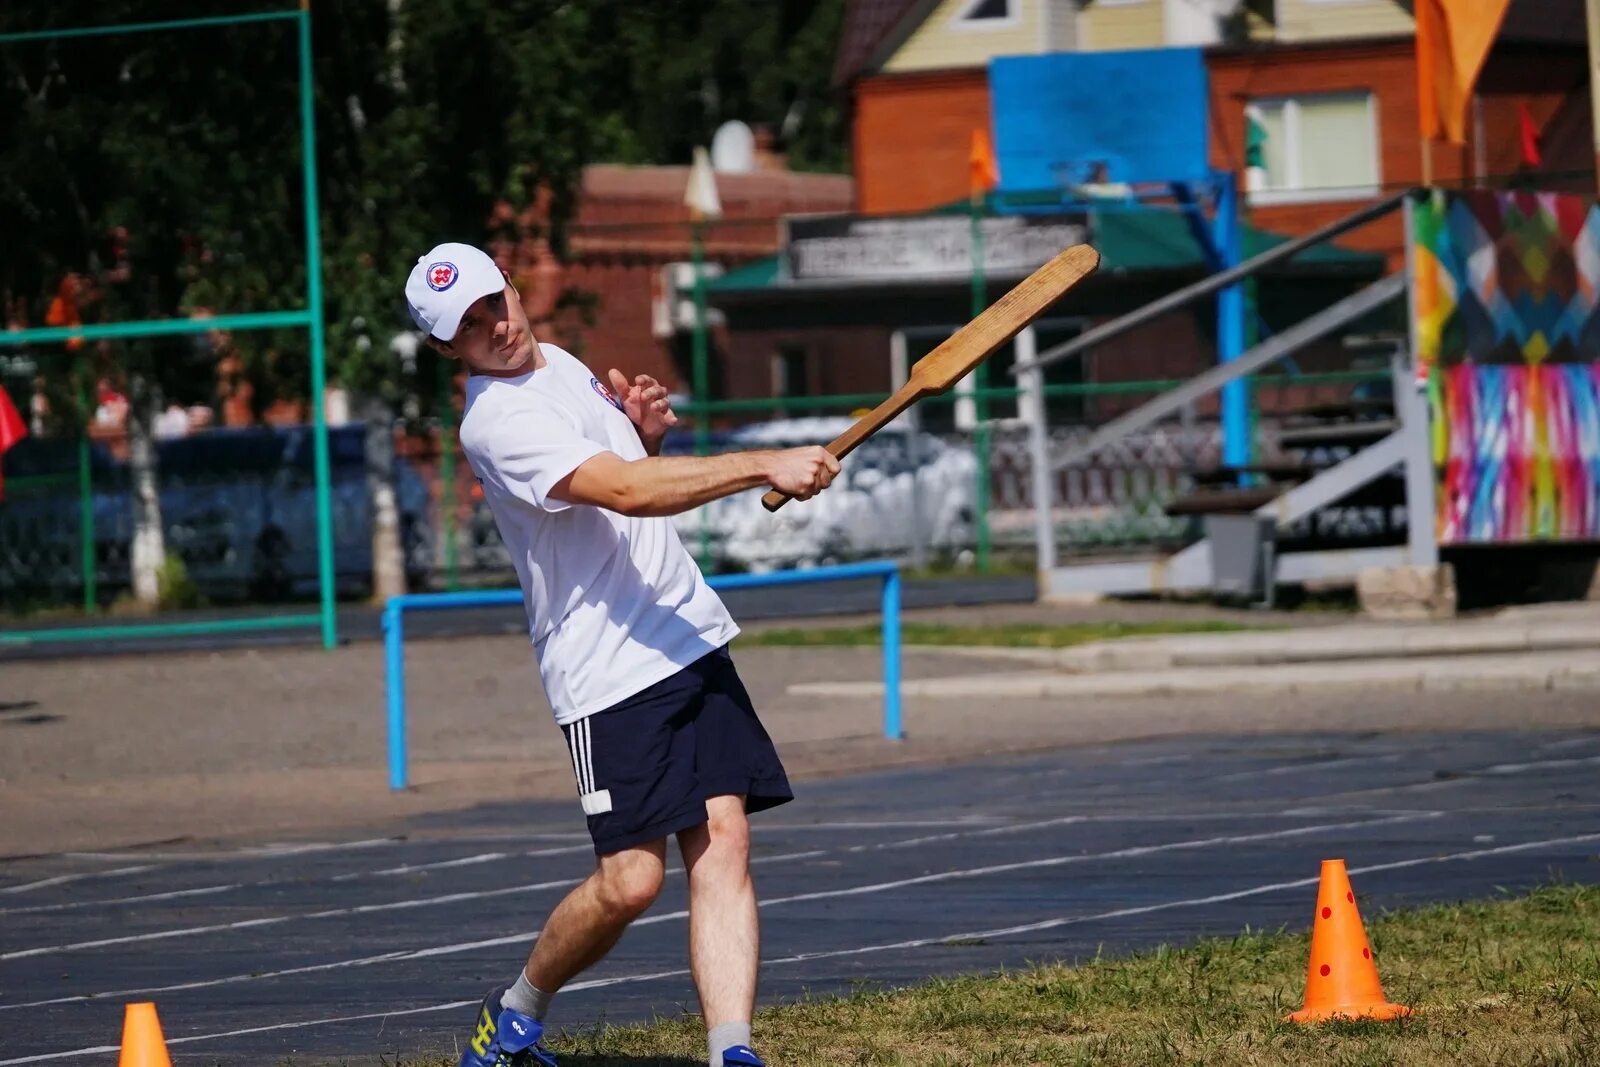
(968, 347)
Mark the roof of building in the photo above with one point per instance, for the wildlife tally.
(873, 27)
(617, 193)
(1130, 240)
(867, 25)
(1545, 22)
(666, 184)
(639, 210)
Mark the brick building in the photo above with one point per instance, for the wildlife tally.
(615, 286)
(1315, 72)
(1332, 83)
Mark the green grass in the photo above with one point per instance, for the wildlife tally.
(1009, 635)
(1512, 981)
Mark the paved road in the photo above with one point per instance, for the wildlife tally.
(361, 622)
(361, 947)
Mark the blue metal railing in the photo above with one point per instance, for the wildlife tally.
(395, 656)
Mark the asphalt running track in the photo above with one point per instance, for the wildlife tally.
(368, 946)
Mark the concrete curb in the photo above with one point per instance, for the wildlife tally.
(1281, 647)
(1546, 670)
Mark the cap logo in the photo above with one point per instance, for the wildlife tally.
(606, 394)
(442, 276)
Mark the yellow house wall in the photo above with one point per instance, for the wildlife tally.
(941, 43)
(1318, 20)
(1107, 27)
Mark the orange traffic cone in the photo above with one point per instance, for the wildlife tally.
(142, 1043)
(1342, 982)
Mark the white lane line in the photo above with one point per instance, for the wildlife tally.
(1061, 861)
(482, 894)
(252, 852)
(1510, 768)
(143, 898)
(1011, 828)
(1314, 765)
(102, 1049)
(275, 920)
(1568, 742)
(63, 879)
(986, 822)
(412, 868)
(262, 852)
(363, 961)
(1050, 924)
(409, 868)
(466, 861)
(911, 824)
(921, 942)
(503, 891)
(1156, 761)
(1518, 768)
(673, 916)
(1473, 775)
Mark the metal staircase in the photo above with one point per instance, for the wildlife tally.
(1365, 454)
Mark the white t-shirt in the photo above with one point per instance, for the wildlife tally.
(615, 604)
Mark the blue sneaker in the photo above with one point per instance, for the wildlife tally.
(741, 1056)
(506, 1038)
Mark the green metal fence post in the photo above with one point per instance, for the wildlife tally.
(319, 369)
(980, 443)
(702, 376)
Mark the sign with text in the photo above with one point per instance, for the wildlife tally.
(852, 248)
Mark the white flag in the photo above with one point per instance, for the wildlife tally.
(701, 195)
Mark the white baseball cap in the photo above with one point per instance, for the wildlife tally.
(447, 281)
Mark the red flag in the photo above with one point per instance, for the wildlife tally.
(12, 429)
(1530, 137)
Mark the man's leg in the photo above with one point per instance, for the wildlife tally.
(590, 920)
(581, 930)
(724, 930)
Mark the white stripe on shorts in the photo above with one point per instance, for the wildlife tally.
(588, 757)
(574, 738)
(588, 754)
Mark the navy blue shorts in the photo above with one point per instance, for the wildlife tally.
(646, 765)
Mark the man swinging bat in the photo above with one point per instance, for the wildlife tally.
(631, 642)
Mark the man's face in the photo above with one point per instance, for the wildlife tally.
(494, 337)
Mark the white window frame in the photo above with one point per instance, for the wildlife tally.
(1291, 133)
(963, 21)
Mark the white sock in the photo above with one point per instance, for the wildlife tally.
(527, 998)
(726, 1036)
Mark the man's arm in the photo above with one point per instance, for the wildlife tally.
(668, 485)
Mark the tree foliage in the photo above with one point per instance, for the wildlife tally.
(164, 167)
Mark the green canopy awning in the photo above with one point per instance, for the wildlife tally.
(1132, 240)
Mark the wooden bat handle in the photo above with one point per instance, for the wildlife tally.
(859, 431)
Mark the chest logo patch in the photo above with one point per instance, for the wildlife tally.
(605, 393)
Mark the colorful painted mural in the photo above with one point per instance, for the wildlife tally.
(1506, 298)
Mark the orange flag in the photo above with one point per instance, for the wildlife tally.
(1453, 40)
(63, 310)
(982, 170)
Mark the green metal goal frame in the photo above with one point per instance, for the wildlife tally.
(310, 317)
